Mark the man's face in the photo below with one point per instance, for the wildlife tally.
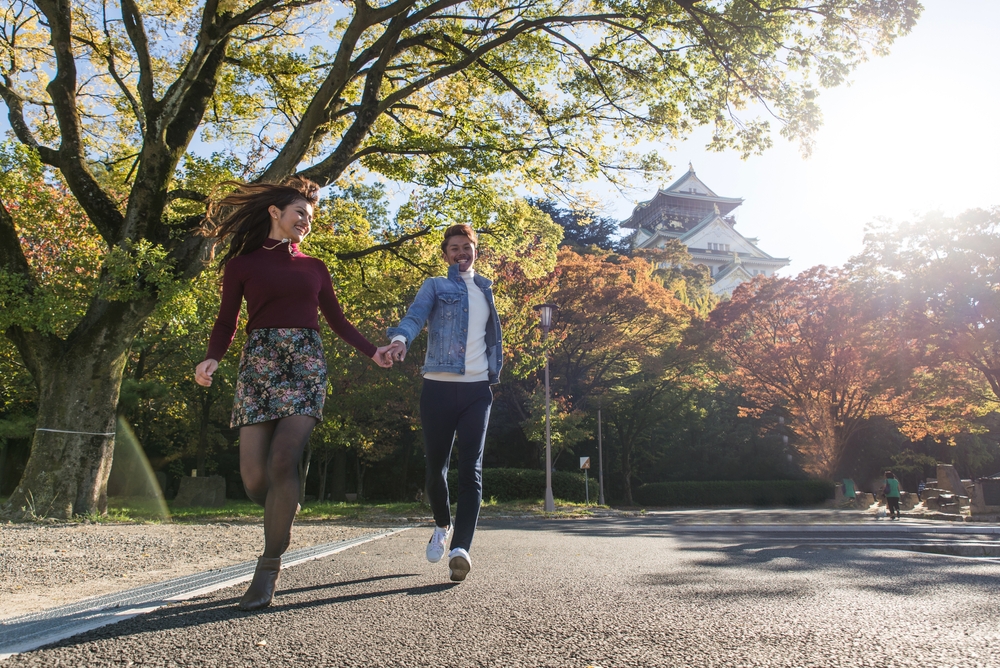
(461, 251)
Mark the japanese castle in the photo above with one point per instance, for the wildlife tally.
(688, 210)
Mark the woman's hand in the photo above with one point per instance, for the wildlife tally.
(203, 372)
(382, 358)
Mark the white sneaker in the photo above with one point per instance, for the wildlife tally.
(459, 563)
(435, 547)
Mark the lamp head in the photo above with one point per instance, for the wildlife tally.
(546, 311)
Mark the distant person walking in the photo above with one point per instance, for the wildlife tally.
(282, 377)
(920, 490)
(891, 492)
(464, 357)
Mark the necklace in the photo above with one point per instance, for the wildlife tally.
(283, 241)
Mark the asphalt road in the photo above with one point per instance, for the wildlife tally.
(598, 592)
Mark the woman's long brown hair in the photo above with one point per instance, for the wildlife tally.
(242, 216)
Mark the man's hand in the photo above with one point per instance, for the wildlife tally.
(397, 350)
(203, 372)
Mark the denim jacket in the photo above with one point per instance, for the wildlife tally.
(443, 303)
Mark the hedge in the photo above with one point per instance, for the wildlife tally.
(735, 493)
(527, 484)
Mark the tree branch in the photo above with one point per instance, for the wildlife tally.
(389, 246)
(12, 258)
(368, 112)
(319, 110)
(33, 346)
(192, 106)
(330, 168)
(15, 114)
(132, 18)
(109, 58)
(100, 208)
(188, 194)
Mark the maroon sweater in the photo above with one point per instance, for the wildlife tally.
(282, 289)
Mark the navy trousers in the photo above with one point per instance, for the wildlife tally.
(455, 414)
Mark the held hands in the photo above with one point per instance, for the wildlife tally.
(396, 351)
(386, 355)
(382, 357)
(203, 372)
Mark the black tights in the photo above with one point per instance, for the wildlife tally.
(269, 463)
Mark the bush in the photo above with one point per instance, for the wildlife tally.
(735, 493)
(527, 484)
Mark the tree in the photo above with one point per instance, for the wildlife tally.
(711, 440)
(657, 395)
(621, 335)
(940, 277)
(809, 346)
(674, 268)
(614, 320)
(431, 93)
(582, 228)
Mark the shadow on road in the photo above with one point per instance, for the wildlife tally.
(878, 567)
(200, 612)
(892, 561)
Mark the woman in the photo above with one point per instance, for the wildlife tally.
(464, 357)
(282, 378)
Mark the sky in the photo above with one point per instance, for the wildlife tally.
(916, 131)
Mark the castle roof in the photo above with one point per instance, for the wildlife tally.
(686, 201)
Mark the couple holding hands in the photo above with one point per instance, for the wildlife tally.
(281, 385)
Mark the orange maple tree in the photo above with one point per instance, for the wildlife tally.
(811, 346)
(614, 320)
(622, 336)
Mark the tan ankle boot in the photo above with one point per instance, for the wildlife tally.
(265, 579)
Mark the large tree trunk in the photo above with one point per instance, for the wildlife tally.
(67, 472)
(78, 386)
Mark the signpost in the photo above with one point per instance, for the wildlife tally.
(585, 465)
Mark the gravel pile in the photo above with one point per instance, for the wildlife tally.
(43, 566)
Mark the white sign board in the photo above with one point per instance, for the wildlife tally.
(585, 462)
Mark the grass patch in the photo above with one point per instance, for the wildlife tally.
(142, 510)
(363, 512)
(536, 508)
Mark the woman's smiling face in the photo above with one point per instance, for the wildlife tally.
(293, 222)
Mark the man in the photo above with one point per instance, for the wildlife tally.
(891, 491)
(464, 357)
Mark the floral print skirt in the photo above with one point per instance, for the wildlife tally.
(282, 373)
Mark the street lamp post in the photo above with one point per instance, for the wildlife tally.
(546, 311)
(600, 458)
